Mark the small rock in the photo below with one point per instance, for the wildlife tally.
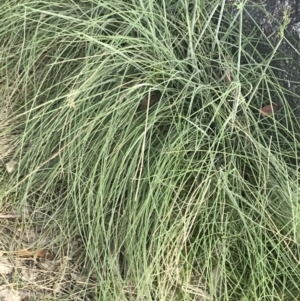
(150, 100)
(11, 166)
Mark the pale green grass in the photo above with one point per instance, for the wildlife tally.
(160, 198)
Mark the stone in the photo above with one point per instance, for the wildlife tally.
(265, 19)
(12, 165)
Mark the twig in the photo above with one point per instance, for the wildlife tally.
(4, 216)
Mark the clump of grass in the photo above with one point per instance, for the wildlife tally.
(197, 196)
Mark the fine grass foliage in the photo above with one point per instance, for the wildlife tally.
(194, 198)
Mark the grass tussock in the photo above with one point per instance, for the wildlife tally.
(195, 196)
